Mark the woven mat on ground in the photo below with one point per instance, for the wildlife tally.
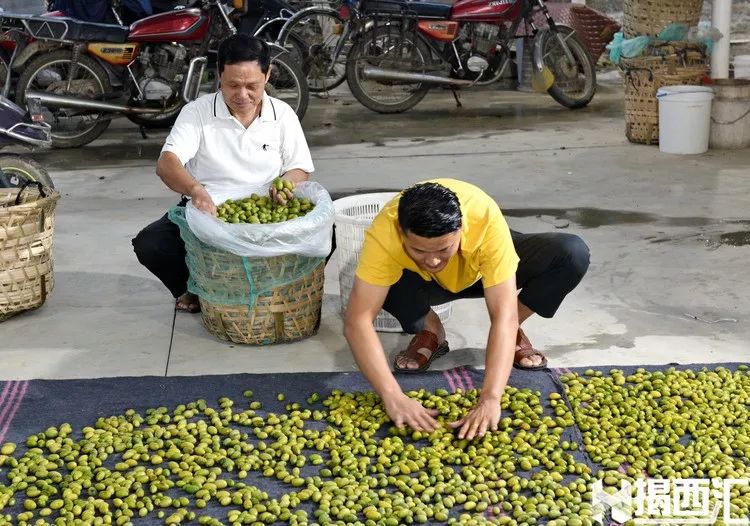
(29, 407)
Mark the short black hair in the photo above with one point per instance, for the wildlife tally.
(429, 210)
(242, 47)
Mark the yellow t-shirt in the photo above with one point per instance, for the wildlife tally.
(486, 251)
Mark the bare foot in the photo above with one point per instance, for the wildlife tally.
(188, 303)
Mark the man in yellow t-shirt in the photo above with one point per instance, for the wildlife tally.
(443, 240)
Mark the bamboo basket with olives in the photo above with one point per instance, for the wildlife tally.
(255, 300)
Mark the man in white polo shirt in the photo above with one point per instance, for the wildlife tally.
(237, 136)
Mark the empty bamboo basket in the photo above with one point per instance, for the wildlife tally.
(27, 224)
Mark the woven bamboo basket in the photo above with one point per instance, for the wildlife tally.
(669, 65)
(27, 224)
(649, 17)
(257, 301)
(284, 313)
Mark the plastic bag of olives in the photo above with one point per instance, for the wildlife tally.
(249, 223)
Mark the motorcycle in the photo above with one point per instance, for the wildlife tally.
(94, 72)
(265, 20)
(408, 48)
(105, 11)
(260, 19)
(17, 128)
(322, 34)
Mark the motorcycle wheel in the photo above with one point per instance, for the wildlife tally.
(17, 169)
(317, 33)
(380, 49)
(287, 83)
(294, 46)
(49, 72)
(575, 84)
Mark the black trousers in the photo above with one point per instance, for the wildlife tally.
(161, 250)
(550, 266)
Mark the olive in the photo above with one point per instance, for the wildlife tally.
(261, 210)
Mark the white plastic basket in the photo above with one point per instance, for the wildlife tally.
(354, 214)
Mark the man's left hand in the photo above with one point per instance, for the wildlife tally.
(485, 416)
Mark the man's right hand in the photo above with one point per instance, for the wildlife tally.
(281, 190)
(407, 411)
(202, 200)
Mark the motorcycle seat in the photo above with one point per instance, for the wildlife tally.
(95, 32)
(422, 8)
(430, 9)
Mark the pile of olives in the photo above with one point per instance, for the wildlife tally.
(673, 424)
(337, 460)
(258, 209)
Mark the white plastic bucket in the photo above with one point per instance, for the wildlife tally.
(741, 66)
(354, 214)
(684, 118)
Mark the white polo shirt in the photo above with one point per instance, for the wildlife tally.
(218, 151)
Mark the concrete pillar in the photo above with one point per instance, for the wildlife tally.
(721, 20)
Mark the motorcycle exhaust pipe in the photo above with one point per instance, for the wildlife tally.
(61, 101)
(373, 73)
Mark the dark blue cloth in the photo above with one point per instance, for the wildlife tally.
(139, 7)
(98, 10)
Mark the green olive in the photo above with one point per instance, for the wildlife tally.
(262, 210)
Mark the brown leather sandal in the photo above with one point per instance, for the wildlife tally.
(524, 349)
(423, 340)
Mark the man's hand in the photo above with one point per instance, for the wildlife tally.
(486, 415)
(407, 411)
(282, 196)
(202, 200)
(281, 190)
(502, 306)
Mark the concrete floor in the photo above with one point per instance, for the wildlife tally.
(668, 238)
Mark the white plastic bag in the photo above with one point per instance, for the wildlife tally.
(309, 235)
